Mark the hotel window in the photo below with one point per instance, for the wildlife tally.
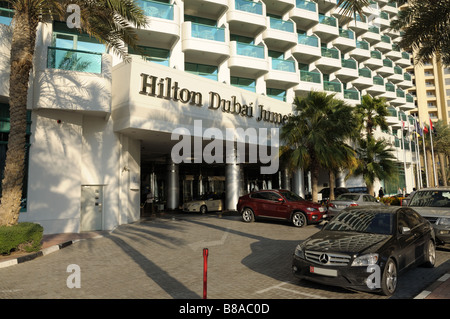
(276, 94)
(6, 13)
(74, 51)
(244, 83)
(206, 71)
(4, 135)
(155, 55)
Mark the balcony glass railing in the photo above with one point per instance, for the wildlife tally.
(310, 40)
(378, 80)
(409, 98)
(384, 15)
(398, 70)
(373, 29)
(331, 21)
(157, 9)
(395, 47)
(74, 60)
(392, 4)
(6, 16)
(375, 55)
(386, 39)
(390, 87)
(308, 76)
(392, 111)
(330, 53)
(351, 95)
(350, 64)
(407, 76)
(251, 50)
(405, 55)
(387, 63)
(332, 86)
(282, 25)
(366, 73)
(306, 5)
(360, 18)
(349, 34)
(362, 45)
(208, 32)
(283, 65)
(249, 6)
(400, 93)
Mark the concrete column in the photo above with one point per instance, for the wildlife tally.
(173, 186)
(232, 185)
(285, 179)
(340, 180)
(299, 187)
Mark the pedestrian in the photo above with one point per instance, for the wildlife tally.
(381, 193)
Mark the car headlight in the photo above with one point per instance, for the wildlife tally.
(444, 221)
(299, 252)
(322, 209)
(365, 260)
(311, 209)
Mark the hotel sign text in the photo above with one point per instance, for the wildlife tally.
(165, 88)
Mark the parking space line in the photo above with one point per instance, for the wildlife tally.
(280, 286)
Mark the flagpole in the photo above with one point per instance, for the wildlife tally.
(432, 155)
(404, 154)
(425, 159)
(418, 166)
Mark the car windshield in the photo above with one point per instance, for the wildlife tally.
(431, 198)
(290, 196)
(348, 197)
(362, 221)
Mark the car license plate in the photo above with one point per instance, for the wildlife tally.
(323, 271)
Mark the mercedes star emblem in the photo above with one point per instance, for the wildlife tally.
(324, 259)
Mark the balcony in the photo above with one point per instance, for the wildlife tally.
(361, 52)
(279, 7)
(364, 80)
(405, 60)
(392, 117)
(394, 54)
(375, 62)
(248, 16)
(326, 5)
(309, 81)
(387, 69)
(407, 81)
(205, 42)
(346, 40)
(383, 20)
(358, 25)
(391, 8)
(280, 35)
(283, 74)
(333, 87)
(409, 103)
(352, 96)
(397, 77)
(307, 49)
(213, 9)
(329, 61)
(400, 98)
(372, 35)
(348, 72)
(305, 14)
(164, 28)
(377, 87)
(248, 60)
(384, 45)
(72, 80)
(389, 93)
(327, 29)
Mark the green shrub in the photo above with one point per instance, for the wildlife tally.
(23, 236)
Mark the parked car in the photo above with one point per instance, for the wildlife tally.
(350, 199)
(326, 193)
(206, 203)
(434, 205)
(280, 204)
(365, 248)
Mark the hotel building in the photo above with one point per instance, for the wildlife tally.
(102, 132)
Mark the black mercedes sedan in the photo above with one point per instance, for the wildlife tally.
(365, 248)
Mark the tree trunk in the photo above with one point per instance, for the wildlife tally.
(332, 184)
(22, 51)
(430, 169)
(314, 181)
(443, 166)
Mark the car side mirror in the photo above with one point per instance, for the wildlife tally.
(405, 230)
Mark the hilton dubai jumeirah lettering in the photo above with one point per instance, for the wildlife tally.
(165, 88)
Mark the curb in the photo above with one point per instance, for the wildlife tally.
(42, 252)
(429, 290)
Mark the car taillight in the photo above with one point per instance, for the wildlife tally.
(353, 204)
(331, 205)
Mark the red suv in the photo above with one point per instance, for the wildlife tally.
(280, 204)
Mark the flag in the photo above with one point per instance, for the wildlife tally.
(425, 129)
(431, 126)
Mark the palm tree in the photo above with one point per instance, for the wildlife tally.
(375, 161)
(372, 113)
(109, 21)
(425, 27)
(314, 136)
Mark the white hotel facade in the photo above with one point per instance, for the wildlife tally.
(100, 129)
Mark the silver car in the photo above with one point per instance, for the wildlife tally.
(434, 205)
(350, 199)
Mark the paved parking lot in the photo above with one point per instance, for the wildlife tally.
(162, 258)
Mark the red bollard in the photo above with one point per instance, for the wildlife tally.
(205, 271)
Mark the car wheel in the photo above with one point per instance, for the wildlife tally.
(299, 219)
(389, 278)
(247, 215)
(430, 254)
(203, 209)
